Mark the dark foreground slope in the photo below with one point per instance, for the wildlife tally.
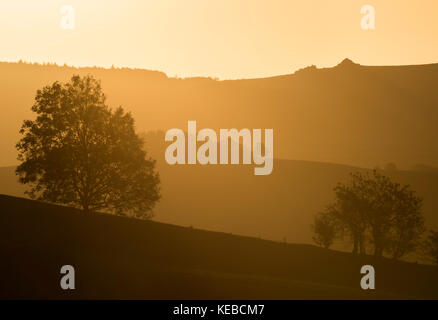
(277, 207)
(118, 257)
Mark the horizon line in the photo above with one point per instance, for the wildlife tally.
(133, 68)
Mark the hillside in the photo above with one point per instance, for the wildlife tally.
(349, 114)
(278, 207)
(117, 257)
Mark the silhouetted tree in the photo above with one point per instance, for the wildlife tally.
(407, 222)
(349, 215)
(373, 204)
(324, 229)
(430, 247)
(79, 152)
(392, 211)
(391, 167)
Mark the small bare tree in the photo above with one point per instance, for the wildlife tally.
(324, 229)
(430, 247)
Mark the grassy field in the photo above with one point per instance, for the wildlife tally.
(118, 257)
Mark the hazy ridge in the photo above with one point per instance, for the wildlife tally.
(350, 114)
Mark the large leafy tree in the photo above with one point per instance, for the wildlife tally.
(81, 153)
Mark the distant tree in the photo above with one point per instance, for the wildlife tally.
(430, 247)
(391, 167)
(371, 204)
(407, 222)
(350, 217)
(79, 152)
(324, 229)
(392, 211)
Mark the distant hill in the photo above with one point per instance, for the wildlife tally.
(350, 114)
(279, 207)
(116, 257)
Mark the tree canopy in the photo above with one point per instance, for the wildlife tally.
(81, 153)
(374, 208)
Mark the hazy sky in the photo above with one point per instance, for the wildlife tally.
(219, 38)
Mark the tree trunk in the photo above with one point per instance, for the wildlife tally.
(362, 245)
(378, 251)
(355, 246)
(85, 207)
(378, 247)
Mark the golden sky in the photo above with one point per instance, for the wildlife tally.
(219, 38)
